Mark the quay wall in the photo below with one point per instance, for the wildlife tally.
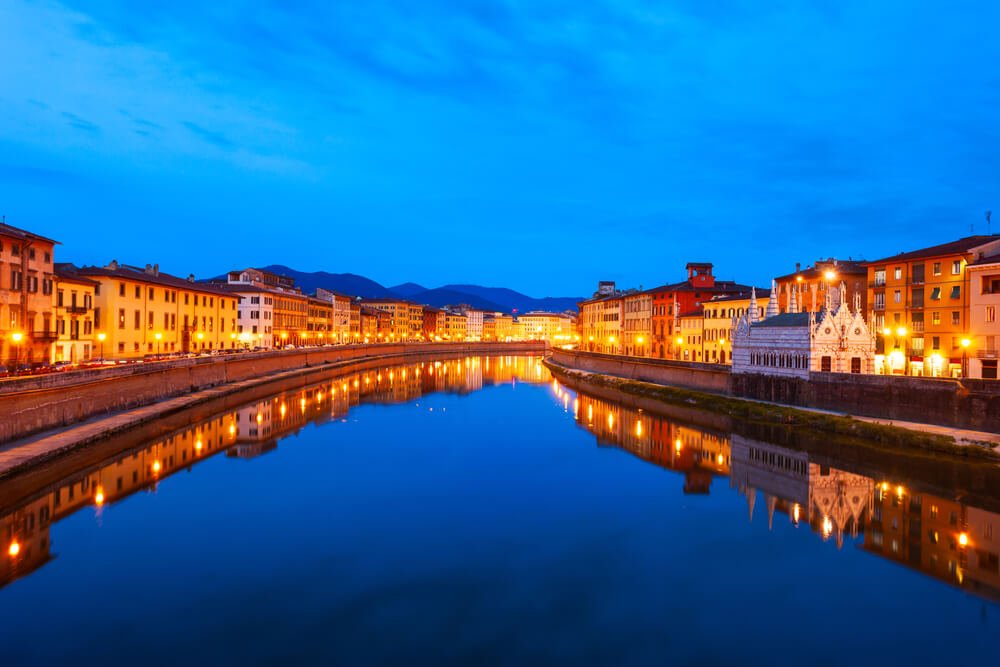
(969, 404)
(39, 403)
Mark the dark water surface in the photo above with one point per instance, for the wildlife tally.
(476, 512)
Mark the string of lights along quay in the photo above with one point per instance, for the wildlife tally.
(475, 510)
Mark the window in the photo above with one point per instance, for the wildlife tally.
(956, 268)
(936, 269)
(138, 292)
(956, 317)
(936, 294)
(121, 318)
(917, 297)
(935, 342)
(855, 364)
(936, 318)
(826, 364)
(151, 293)
(917, 274)
(991, 314)
(897, 296)
(59, 298)
(137, 320)
(897, 273)
(121, 289)
(956, 292)
(879, 277)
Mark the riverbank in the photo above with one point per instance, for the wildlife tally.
(749, 411)
(177, 385)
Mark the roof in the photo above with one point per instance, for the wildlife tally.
(762, 293)
(686, 286)
(8, 230)
(990, 259)
(67, 273)
(837, 266)
(697, 312)
(785, 320)
(387, 300)
(960, 246)
(122, 271)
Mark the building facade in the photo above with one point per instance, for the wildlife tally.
(74, 313)
(27, 277)
(721, 315)
(981, 348)
(919, 305)
(637, 324)
(805, 290)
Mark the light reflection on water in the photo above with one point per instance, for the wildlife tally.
(479, 526)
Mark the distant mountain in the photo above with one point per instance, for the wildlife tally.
(406, 290)
(484, 298)
(509, 299)
(447, 297)
(346, 283)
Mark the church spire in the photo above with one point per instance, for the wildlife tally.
(752, 309)
(793, 304)
(772, 303)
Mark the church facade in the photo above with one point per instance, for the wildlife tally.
(795, 344)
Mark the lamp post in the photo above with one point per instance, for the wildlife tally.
(158, 336)
(17, 338)
(100, 339)
(965, 357)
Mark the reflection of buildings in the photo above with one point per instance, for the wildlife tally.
(834, 502)
(244, 433)
(937, 536)
(699, 454)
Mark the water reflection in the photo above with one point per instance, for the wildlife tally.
(923, 522)
(246, 432)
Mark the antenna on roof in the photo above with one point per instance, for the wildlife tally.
(989, 228)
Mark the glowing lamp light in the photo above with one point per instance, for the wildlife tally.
(102, 336)
(14, 549)
(678, 444)
(901, 331)
(963, 539)
(798, 279)
(198, 445)
(17, 337)
(966, 342)
(200, 336)
(887, 331)
(722, 341)
(679, 340)
(719, 459)
(829, 275)
(158, 336)
(99, 496)
(827, 526)
(232, 429)
(638, 429)
(157, 466)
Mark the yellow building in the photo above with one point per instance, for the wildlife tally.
(919, 304)
(554, 328)
(354, 328)
(456, 326)
(719, 313)
(637, 324)
(145, 312)
(74, 313)
(27, 328)
(406, 319)
(690, 333)
(320, 324)
(602, 320)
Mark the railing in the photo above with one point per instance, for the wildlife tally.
(76, 310)
(876, 283)
(987, 354)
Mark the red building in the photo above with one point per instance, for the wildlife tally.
(669, 301)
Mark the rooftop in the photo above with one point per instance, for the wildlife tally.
(960, 246)
(785, 320)
(14, 232)
(151, 274)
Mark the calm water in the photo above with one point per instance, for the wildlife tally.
(475, 512)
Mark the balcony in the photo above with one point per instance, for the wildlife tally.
(987, 354)
(876, 284)
(44, 336)
(76, 310)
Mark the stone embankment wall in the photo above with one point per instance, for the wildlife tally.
(33, 404)
(971, 404)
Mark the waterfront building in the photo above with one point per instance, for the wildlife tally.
(919, 306)
(720, 315)
(810, 285)
(407, 318)
(290, 305)
(255, 315)
(637, 323)
(489, 327)
(319, 326)
(669, 301)
(355, 321)
(602, 320)
(504, 327)
(27, 276)
(690, 333)
(74, 313)
(456, 326)
(340, 323)
(796, 344)
(435, 323)
(142, 311)
(554, 328)
(473, 321)
(377, 325)
(981, 348)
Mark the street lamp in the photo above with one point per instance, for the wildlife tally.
(158, 336)
(965, 357)
(101, 336)
(17, 338)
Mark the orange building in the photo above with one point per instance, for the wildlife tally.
(919, 302)
(810, 286)
(27, 275)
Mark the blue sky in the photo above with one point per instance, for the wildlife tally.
(537, 145)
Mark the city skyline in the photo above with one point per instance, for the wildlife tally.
(492, 134)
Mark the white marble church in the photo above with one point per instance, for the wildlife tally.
(795, 344)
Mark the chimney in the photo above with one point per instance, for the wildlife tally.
(798, 266)
(113, 266)
(190, 277)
